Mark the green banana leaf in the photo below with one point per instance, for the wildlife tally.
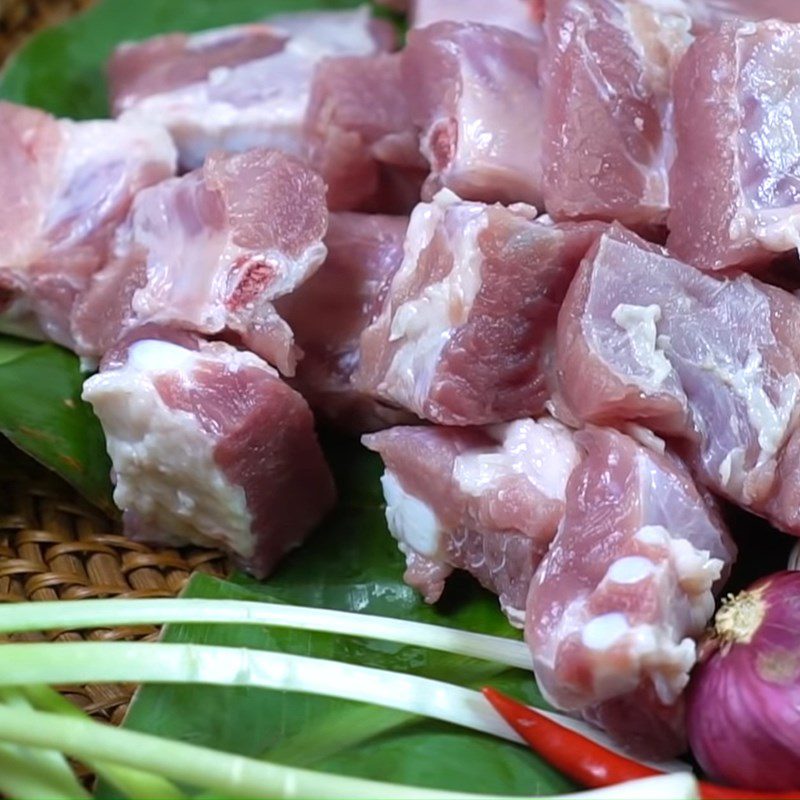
(42, 413)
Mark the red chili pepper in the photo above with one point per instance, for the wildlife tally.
(589, 763)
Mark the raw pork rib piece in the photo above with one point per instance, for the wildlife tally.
(486, 501)
(475, 93)
(209, 252)
(68, 186)
(625, 590)
(714, 364)
(607, 139)
(329, 312)
(735, 183)
(361, 135)
(516, 15)
(467, 329)
(238, 87)
(709, 13)
(210, 447)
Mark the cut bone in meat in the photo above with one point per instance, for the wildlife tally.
(209, 252)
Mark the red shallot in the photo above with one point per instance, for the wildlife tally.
(744, 699)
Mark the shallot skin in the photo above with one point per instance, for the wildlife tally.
(743, 703)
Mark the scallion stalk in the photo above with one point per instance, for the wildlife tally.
(131, 783)
(25, 617)
(239, 777)
(138, 662)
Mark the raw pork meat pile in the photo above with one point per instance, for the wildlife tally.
(533, 254)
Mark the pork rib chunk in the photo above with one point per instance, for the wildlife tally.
(210, 252)
(70, 184)
(465, 336)
(238, 87)
(475, 94)
(361, 135)
(608, 138)
(487, 501)
(210, 447)
(625, 590)
(329, 312)
(734, 183)
(713, 364)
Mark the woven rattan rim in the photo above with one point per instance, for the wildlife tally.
(20, 18)
(55, 546)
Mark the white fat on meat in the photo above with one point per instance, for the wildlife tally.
(664, 653)
(484, 500)
(338, 32)
(473, 273)
(714, 363)
(543, 452)
(210, 252)
(770, 420)
(639, 322)
(98, 162)
(274, 121)
(412, 523)
(424, 324)
(163, 462)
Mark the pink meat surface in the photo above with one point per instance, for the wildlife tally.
(330, 311)
(734, 183)
(69, 185)
(487, 501)
(475, 94)
(210, 252)
(608, 142)
(139, 70)
(238, 87)
(709, 13)
(705, 14)
(516, 15)
(362, 138)
(713, 364)
(626, 589)
(209, 447)
(466, 333)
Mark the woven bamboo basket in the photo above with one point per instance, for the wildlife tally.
(54, 545)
